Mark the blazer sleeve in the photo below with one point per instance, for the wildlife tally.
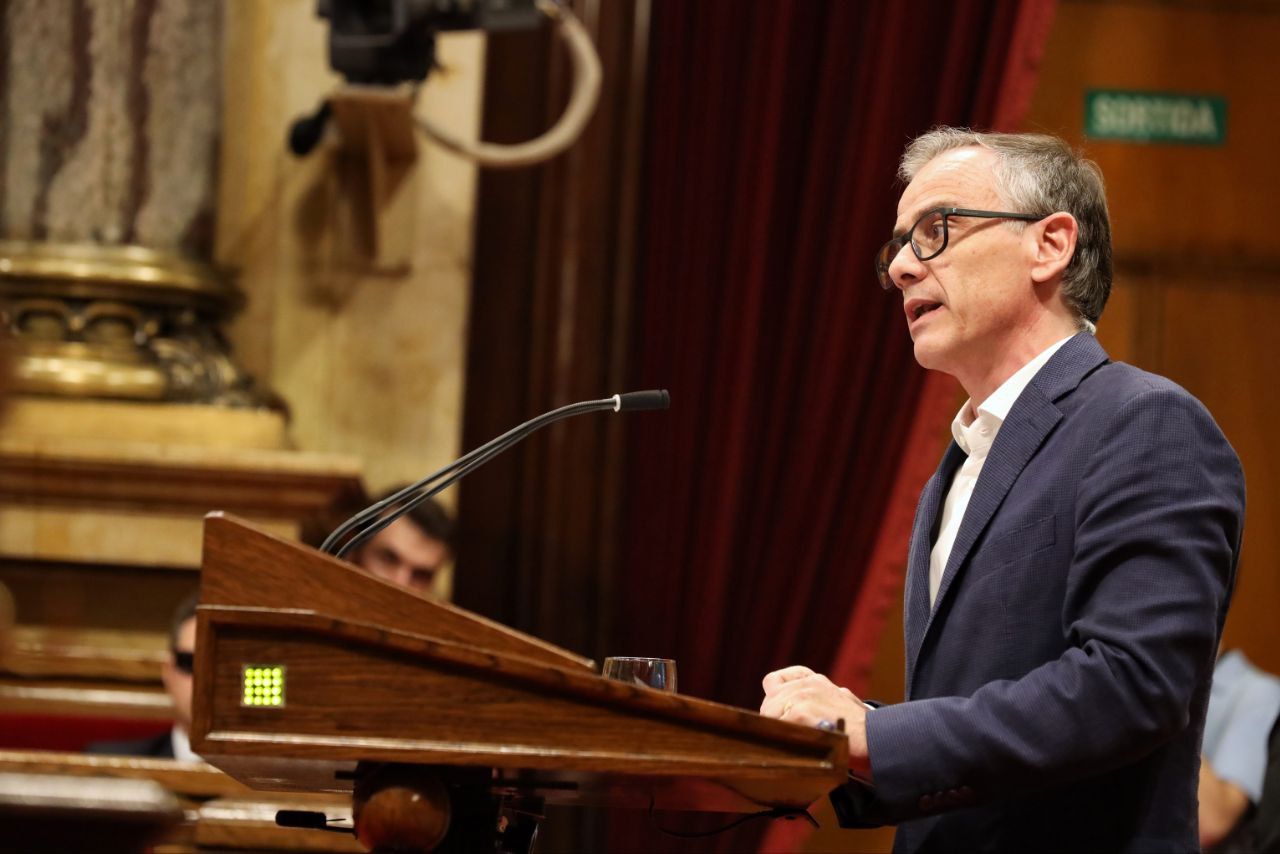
(1158, 519)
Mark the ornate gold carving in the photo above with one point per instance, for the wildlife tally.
(120, 322)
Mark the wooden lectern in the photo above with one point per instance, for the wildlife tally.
(450, 729)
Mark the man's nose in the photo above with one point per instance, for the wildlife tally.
(905, 268)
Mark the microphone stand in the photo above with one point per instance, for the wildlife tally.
(374, 518)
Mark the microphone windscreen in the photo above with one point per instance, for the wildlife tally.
(634, 401)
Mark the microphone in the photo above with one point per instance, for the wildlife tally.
(635, 401)
(379, 515)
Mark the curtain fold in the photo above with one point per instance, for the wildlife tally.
(764, 522)
(1006, 103)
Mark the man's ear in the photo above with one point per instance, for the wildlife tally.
(1055, 244)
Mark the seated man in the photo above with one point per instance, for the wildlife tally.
(1244, 703)
(413, 551)
(176, 675)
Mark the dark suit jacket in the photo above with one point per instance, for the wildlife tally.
(1059, 684)
(159, 747)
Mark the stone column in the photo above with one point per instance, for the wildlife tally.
(109, 126)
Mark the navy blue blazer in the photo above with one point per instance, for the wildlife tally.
(1058, 686)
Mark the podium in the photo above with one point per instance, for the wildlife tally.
(448, 728)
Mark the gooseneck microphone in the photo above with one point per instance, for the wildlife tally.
(634, 401)
(379, 515)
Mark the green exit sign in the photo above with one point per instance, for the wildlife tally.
(1155, 117)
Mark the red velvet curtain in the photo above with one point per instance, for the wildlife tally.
(798, 412)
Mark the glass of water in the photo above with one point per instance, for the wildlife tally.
(657, 673)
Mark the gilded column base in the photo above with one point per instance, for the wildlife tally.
(121, 322)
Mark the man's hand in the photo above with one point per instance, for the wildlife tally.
(1222, 806)
(798, 695)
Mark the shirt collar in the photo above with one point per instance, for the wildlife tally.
(995, 409)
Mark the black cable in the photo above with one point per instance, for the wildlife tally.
(411, 501)
(309, 820)
(789, 813)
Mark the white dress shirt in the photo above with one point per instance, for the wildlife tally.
(974, 432)
(182, 745)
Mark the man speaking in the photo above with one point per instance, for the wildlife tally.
(1073, 556)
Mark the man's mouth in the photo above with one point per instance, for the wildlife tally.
(918, 308)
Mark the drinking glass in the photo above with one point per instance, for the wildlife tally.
(657, 673)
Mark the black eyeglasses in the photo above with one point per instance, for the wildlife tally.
(184, 661)
(928, 237)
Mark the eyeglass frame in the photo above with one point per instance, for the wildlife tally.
(882, 273)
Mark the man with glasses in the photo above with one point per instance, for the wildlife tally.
(1072, 557)
(177, 677)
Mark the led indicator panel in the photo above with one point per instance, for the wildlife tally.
(263, 685)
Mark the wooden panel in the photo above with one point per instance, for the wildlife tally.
(1173, 198)
(222, 812)
(1218, 348)
(45, 812)
(357, 692)
(248, 567)
(88, 699)
(189, 779)
(249, 825)
(373, 672)
(347, 699)
(124, 655)
(93, 597)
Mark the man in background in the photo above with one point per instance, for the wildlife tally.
(175, 673)
(414, 551)
(1243, 707)
(1072, 558)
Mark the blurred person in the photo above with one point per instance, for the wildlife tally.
(6, 364)
(6, 623)
(414, 551)
(176, 674)
(6, 598)
(1073, 556)
(1244, 704)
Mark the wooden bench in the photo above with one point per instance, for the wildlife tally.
(219, 813)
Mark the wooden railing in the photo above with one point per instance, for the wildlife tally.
(219, 812)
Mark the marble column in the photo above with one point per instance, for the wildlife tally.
(109, 126)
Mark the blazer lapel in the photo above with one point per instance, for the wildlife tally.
(916, 594)
(1030, 421)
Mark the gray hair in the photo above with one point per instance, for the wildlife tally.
(1037, 173)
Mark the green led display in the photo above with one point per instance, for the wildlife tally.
(263, 685)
